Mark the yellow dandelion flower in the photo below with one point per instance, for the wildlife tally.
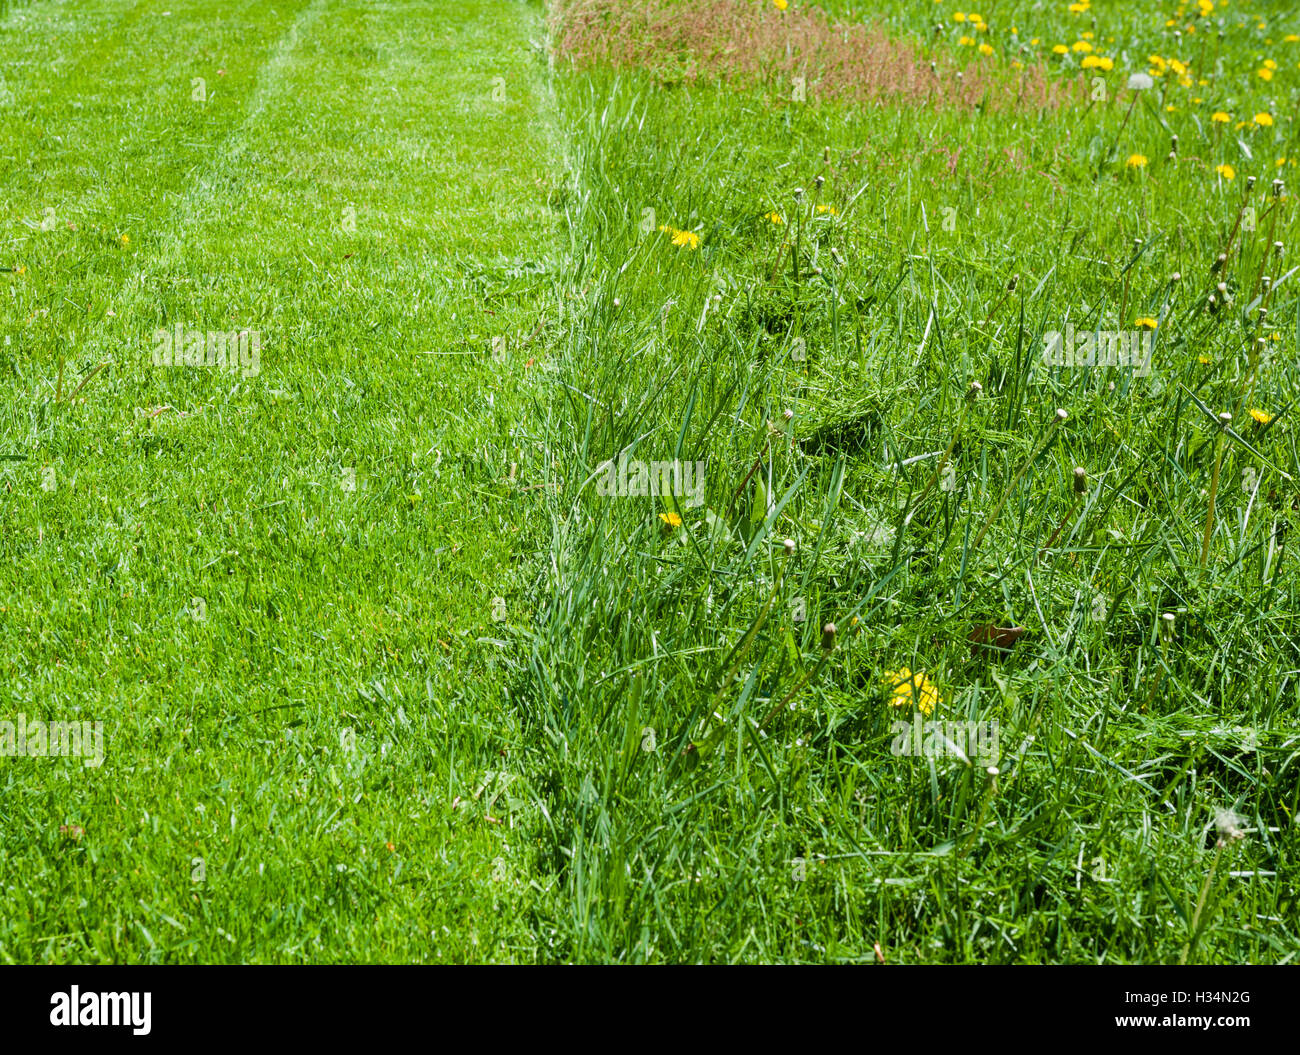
(965, 42)
(1081, 45)
(959, 16)
(1226, 171)
(1270, 64)
(828, 210)
(1078, 9)
(20, 270)
(1220, 118)
(912, 690)
(986, 49)
(1291, 38)
(781, 5)
(1060, 49)
(125, 239)
(1264, 74)
(1204, 360)
(1264, 120)
(687, 239)
(1145, 321)
(775, 217)
(1136, 161)
(1261, 417)
(1177, 66)
(671, 520)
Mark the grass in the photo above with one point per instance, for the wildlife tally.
(342, 517)
(589, 732)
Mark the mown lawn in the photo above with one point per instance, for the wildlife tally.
(275, 586)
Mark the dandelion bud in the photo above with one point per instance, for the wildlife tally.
(1222, 289)
(1250, 182)
(820, 181)
(788, 545)
(617, 302)
(1263, 313)
(1268, 283)
(787, 414)
(1219, 261)
(973, 393)
(1011, 286)
(828, 637)
(1176, 277)
(1171, 156)
(1277, 248)
(1061, 415)
(826, 155)
(817, 271)
(1278, 186)
(1110, 386)
(1224, 419)
(1080, 480)
(835, 255)
(798, 193)
(1173, 144)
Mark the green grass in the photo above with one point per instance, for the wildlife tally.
(510, 761)
(346, 515)
(807, 840)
